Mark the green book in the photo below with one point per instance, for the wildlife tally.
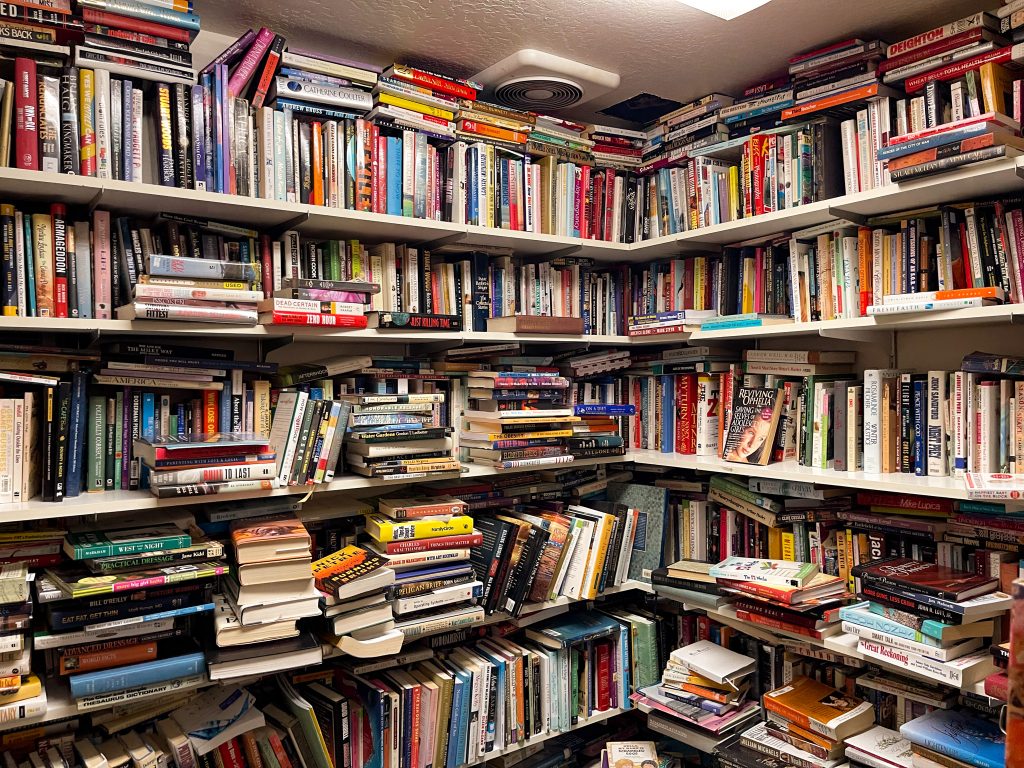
(109, 444)
(97, 444)
(118, 440)
(82, 545)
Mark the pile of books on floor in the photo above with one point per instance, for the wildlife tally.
(540, 552)
(517, 419)
(789, 596)
(358, 589)
(196, 290)
(808, 723)
(398, 437)
(205, 464)
(117, 619)
(925, 619)
(428, 543)
(22, 695)
(270, 589)
(703, 685)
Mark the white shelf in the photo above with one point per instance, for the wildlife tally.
(943, 487)
(534, 612)
(978, 180)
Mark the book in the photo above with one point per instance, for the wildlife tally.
(774, 572)
(271, 539)
(712, 661)
(820, 708)
(752, 427)
(925, 578)
(979, 742)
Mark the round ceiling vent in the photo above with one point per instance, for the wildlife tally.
(538, 93)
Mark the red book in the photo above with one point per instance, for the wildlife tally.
(433, 82)
(957, 69)
(378, 158)
(758, 150)
(924, 578)
(61, 268)
(302, 318)
(231, 754)
(997, 686)
(826, 49)
(94, 16)
(266, 266)
(767, 621)
(26, 115)
(269, 70)
(941, 46)
(909, 503)
(430, 545)
(603, 654)
(609, 202)
(686, 414)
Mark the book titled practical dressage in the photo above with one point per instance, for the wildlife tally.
(924, 578)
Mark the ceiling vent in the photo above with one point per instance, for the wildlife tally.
(535, 81)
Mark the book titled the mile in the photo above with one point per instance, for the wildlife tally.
(781, 572)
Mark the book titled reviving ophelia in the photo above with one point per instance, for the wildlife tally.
(755, 419)
(1015, 697)
(630, 754)
(925, 578)
(960, 735)
(820, 708)
(274, 539)
(712, 661)
(782, 572)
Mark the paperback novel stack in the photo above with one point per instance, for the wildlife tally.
(417, 111)
(621, 149)
(808, 723)
(792, 597)
(358, 590)
(22, 695)
(117, 624)
(205, 464)
(270, 589)
(517, 419)
(197, 290)
(428, 543)
(704, 685)
(398, 436)
(597, 434)
(928, 620)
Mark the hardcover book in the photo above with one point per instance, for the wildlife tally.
(273, 539)
(925, 578)
(344, 566)
(778, 572)
(960, 735)
(712, 661)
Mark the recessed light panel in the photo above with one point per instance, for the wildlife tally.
(725, 9)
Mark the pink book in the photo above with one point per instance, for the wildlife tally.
(26, 115)
(101, 265)
(247, 68)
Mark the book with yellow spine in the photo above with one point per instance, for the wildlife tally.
(598, 554)
(415, 106)
(384, 529)
(30, 688)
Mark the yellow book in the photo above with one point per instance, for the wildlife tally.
(776, 547)
(734, 192)
(30, 688)
(490, 187)
(788, 546)
(996, 85)
(494, 436)
(383, 529)
(844, 566)
(749, 278)
(415, 106)
(598, 554)
(850, 562)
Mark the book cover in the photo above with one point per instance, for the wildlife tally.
(712, 661)
(960, 735)
(779, 572)
(88, 544)
(755, 419)
(344, 566)
(925, 578)
(820, 708)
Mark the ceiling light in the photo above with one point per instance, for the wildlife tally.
(724, 9)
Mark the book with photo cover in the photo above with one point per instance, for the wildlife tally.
(755, 420)
(269, 539)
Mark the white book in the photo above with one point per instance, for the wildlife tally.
(7, 479)
(19, 255)
(855, 428)
(958, 672)
(937, 395)
(103, 148)
(880, 747)
(265, 145)
(279, 150)
(707, 415)
(626, 550)
(865, 161)
(574, 578)
(712, 661)
(83, 268)
(285, 429)
(22, 424)
(848, 131)
(572, 539)
(602, 523)
(873, 378)
(939, 654)
(136, 137)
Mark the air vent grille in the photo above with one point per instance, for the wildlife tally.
(538, 93)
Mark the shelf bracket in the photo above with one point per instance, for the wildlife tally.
(840, 213)
(455, 237)
(273, 343)
(849, 334)
(1020, 171)
(569, 251)
(95, 201)
(293, 222)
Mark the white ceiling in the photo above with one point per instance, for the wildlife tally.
(659, 46)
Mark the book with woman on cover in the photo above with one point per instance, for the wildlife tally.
(755, 419)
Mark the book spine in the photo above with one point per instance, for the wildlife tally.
(26, 115)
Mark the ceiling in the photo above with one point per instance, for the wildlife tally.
(659, 46)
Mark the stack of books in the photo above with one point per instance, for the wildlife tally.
(205, 464)
(22, 695)
(703, 685)
(402, 440)
(270, 589)
(759, 106)
(809, 722)
(690, 582)
(618, 148)
(125, 635)
(418, 112)
(518, 419)
(176, 298)
(879, 746)
(927, 619)
(931, 744)
(428, 543)
(597, 434)
(782, 595)
(333, 301)
(356, 586)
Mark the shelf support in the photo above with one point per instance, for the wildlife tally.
(861, 336)
(274, 343)
(841, 213)
(95, 201)
(569, 251)
(455, 237)
(294, 221)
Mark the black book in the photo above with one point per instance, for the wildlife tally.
(487, 558)
(530, 563)
(70, 161)
(61, 437)
(311, 414)
(181, 121)
(71, 618)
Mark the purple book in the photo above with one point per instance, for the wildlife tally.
(199, 136)
(253, 56)
(232, 53)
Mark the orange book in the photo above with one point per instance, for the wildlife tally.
(811, 736)
(492, 131)
(820, 708)
(343, 566)
(927, 155)
(768, 621)
(271, 539)
(316, 152)
(826, 102)
(706, 693)
(210, 420)
(73, 664)
(985, 292)
(864, 254)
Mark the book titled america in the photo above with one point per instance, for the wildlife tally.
(712, 661)
(925, 578)
(960, 735)
(781, 572)
(820, 708)
(755, 419)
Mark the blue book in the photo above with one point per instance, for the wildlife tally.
(76, 435)
(927, 142)
(394, 176)
(123, 678)
(452, 758)
(138, 10)
(959, 735)
(603, 409)
(30, 267)
(920, 425)
(862, 615)
(668, 414)
(564, 631)
(148, 429)
(765, 110)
